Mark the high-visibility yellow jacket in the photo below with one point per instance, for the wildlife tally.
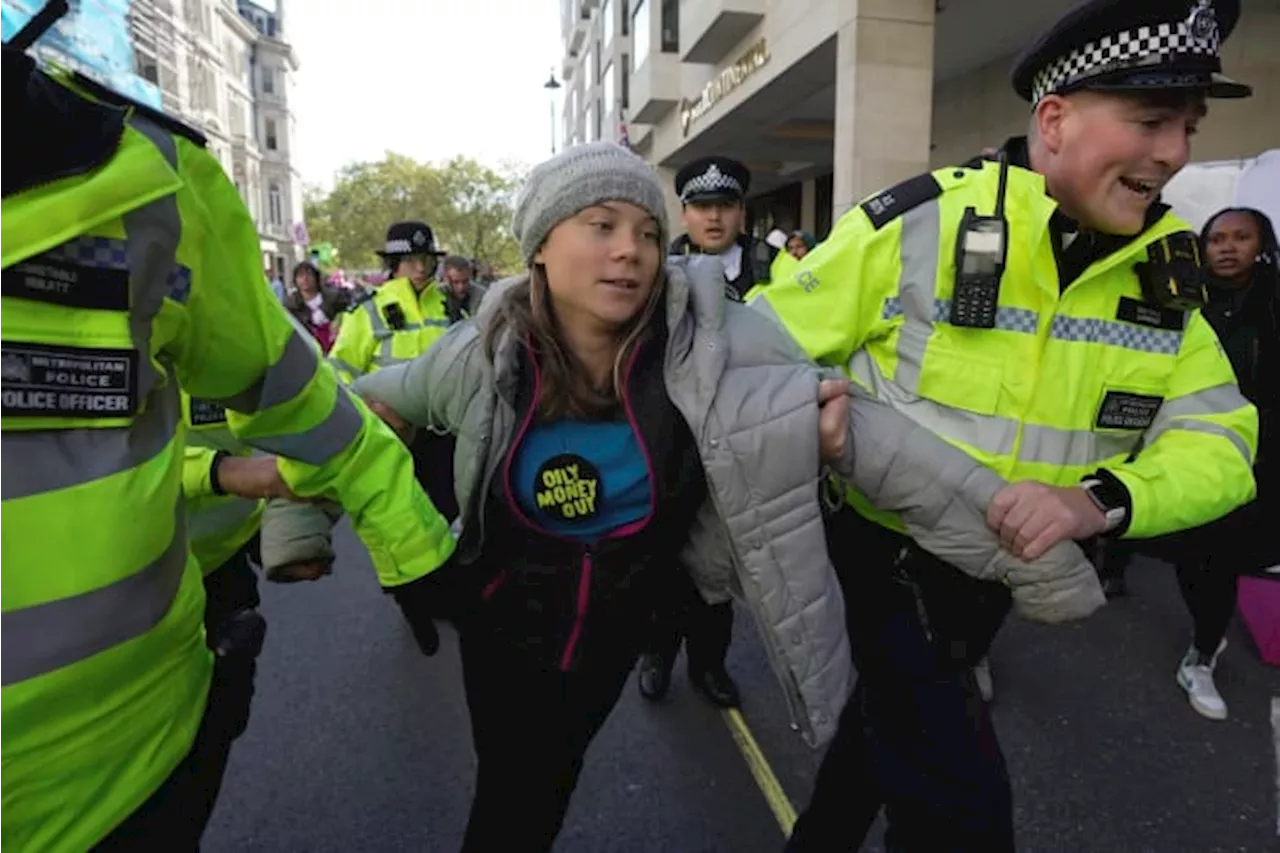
(1069, 382)
(397, 324)
(218, 526)
(127, 274)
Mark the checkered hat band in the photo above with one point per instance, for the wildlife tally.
(398, 247)
(1144, 46)
(711, 182)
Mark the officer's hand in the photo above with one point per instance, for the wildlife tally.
(310, 570)
(390, 416)
(1030, 518)
(252, 477)
(833, 417)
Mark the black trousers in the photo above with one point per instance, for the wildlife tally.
(1207, 561)
(531, 727)
(706, 628)
(174, 817)
(915, 737)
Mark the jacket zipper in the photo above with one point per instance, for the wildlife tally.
(584, 597)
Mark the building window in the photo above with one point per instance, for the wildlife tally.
(607, 21)
(147, 68)
(624, 97)
(275, 205)
(273, 142)
(608, 94)
(641, 32)
(670, 26)
(626, 18)
(597, 131)
(268, 81)
(589, 122)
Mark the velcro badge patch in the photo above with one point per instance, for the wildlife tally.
(61, 282)
(1123, 410)
(207, 412)
(888, 205)
(66, 381)
(1146, 314)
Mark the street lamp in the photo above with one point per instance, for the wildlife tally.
(551, 85)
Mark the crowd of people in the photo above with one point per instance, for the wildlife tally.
(982, 393)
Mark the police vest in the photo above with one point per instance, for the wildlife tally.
(1068, 382)
(398, 324)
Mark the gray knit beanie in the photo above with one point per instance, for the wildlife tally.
(577, 178)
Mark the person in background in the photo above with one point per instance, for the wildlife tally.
(800, 243)
(712, 191)
(276, 285)
(1238, 246)
(398, 321)
(316, 304)
(462, 293)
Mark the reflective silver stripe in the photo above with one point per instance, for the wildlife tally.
(40, 461)
(918, 253)
(1073, 447)
(220, 518)
(40, 639)
(339, 364)
(379, 361)
(1117, 334)
(375, 319)
(1217, 400)
(990, 433)
(1218, 430)
(1007, 318)
(153, 233)
(281, 382)
(1179, 413)
(322, 442)
(987, 433)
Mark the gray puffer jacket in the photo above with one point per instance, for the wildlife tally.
(748, 396)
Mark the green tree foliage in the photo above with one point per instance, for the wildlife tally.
(467, 204)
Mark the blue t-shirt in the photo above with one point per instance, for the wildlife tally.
(581, 479)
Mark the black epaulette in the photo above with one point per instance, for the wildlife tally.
(359, 300)
(166, 121)
(888, 205)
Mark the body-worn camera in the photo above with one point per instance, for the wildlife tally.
(1171, 277)
(395, 316)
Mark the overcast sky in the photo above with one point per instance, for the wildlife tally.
(438, 78)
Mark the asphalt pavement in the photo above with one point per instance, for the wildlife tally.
(359, 743)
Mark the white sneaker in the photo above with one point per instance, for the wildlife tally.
(1195, 674)
(982, 675)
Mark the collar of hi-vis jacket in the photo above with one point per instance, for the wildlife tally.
(1028, 199)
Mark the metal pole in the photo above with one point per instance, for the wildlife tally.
(552, 105)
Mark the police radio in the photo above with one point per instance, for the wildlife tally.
(981, 246)
(1171, 277)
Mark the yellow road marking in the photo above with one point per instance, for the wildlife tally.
(765, 778)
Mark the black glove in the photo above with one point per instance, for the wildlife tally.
(414, 599)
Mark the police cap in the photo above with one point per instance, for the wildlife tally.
(711, 178)
(1132, 45)
(409, 238)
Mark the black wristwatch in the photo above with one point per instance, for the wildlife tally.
(1111, 499)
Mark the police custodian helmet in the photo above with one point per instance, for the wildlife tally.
(1132, 45)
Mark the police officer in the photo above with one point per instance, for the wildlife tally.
(126, 250)
(712, 192)
(397, 322)
(1038, 311)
